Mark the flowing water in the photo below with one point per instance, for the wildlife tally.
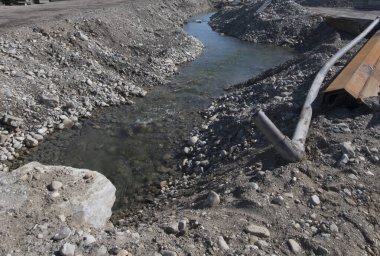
(135, 146)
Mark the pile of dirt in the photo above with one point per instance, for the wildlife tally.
(283, 23)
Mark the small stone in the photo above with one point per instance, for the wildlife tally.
(31, 142)
(171, 229)
(344, 160)
(81, 36)
(258, 231)
(182, 226)
(89, 82)
(42, 130)
(194, 140)
(261, 244)
(101, 251)
(122, 253)
(62, 234)
(50, 100)
(322, 250)
(12, 121)
(186, 150)
(294, 246)
(62, 218)
(168, 253)
(314, 200)
(222, 243)
(55, 185)
(67, 249)
(213, 199)
(68, 123)
(348, 149)
(279, 200)
(334, 228)
(88, 239)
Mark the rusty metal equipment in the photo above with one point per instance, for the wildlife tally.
(294, 149)
(359, 79)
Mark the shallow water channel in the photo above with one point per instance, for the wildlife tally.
(135, 146)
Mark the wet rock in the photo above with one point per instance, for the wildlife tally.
(258, 231)
(67, 250)
(213, 199)
(294, 246)
(222, 243)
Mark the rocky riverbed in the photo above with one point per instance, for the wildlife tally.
(236, 195)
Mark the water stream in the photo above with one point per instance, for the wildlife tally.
(135, 146)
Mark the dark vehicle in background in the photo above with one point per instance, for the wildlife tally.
(23, 2)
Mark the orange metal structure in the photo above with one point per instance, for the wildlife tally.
(360, 78)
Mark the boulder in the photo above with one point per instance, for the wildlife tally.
(88, 195)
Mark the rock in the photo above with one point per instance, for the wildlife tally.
(88, 239)
(222, 243)
(42, 130)
(261, 244)
(89, 82)
(258, 231)
(182, 226)
(168, 253)
(68, 123)
(31, 142)
(67, 250)
(322, 250)
(63, 233)
(101, 251)
(171, 229)
(294, 246)
(81, 36)
(89, 204)
(186, 150)
(279, 200)
(314, 200)
(4, 138)
(12, 121)
(55, 185)
(122, 253)
(344, 160)
(348, 149)
(334, 228)
(213, 199)
(194, 140)
(50, 100)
